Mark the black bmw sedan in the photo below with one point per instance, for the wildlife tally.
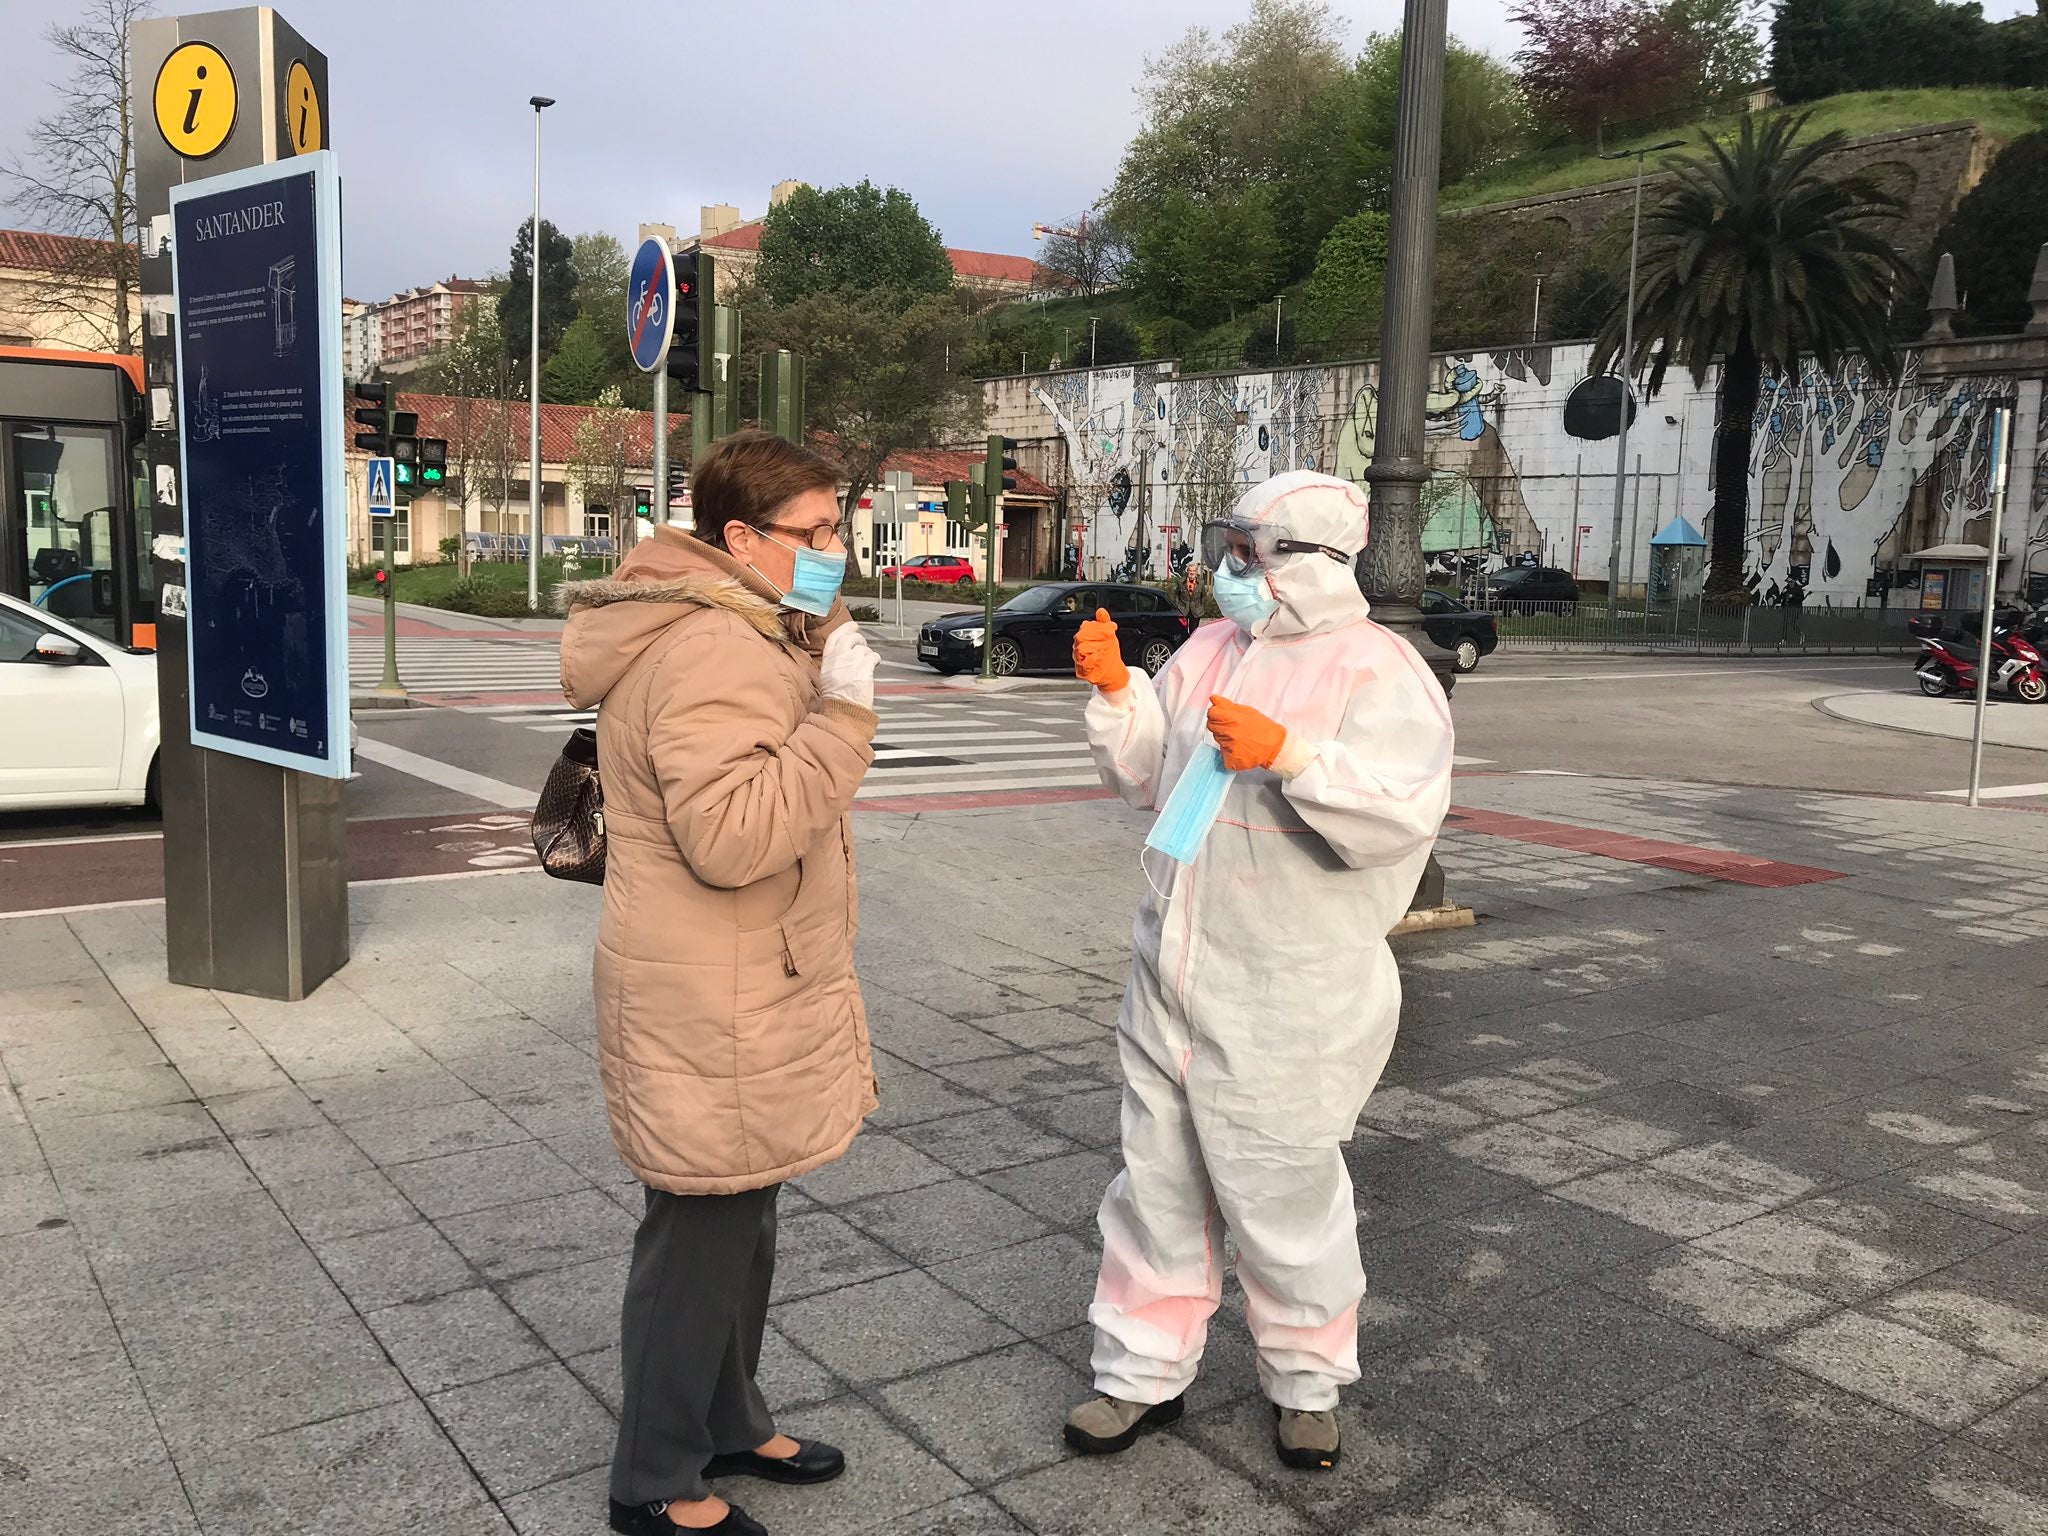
(1034, 631)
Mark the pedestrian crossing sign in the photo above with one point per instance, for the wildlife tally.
(382, 503)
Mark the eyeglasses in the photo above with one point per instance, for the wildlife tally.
(819, 537)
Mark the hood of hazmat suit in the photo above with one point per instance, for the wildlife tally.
(1263, 997)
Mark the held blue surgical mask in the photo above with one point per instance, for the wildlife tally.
(1243, 599)
(815, 585)
(1190, 811)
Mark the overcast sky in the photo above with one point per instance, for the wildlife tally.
(991, 116)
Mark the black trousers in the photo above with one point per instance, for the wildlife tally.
(690, 1335)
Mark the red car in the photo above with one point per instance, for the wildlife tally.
(941, 570)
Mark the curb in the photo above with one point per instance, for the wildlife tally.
(1907, 730)
(1435, 920)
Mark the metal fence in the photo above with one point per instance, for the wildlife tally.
(1702, 628)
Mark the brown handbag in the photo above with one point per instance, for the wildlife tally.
(568, 819)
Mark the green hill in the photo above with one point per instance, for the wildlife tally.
(2002, 114)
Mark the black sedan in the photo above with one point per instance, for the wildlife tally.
(1465, 632)
(1533, 589)
(1034, 630)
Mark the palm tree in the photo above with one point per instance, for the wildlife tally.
(1758, 260)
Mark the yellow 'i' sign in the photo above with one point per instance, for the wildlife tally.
(195, 100)
(302, 109)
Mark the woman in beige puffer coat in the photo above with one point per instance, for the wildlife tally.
(733, 730)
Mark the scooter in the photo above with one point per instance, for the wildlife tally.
(1947, 667)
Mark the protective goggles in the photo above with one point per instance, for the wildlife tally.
(1239, 545)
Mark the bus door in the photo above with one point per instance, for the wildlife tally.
(73, 513)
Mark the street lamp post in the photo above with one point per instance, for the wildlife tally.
(1390, 570)
(538, 103)
(1628, 367)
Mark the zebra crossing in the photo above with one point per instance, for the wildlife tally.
(929, 746)
(453, 664)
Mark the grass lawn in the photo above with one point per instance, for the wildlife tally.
(2002, 114)
(431, 584)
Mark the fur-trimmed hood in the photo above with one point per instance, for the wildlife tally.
(613, 619)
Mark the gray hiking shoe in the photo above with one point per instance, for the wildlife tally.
(1307, 1440)
(1104, 1425)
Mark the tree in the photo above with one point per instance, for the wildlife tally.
(1486, 118)
(1084, 255)
(1115, 340)
(1243, 115)
(857, 239)
(1727, 44)
(1757, 260)
(1206, 259)
(1588, 63)
(475, 372)
(1343, 300)
(601, 465)
(583, 366)
(1810, 45)
(1821, 47)
(1995, 234)
(601, 267)
(877, 376)
(557, 291)
(79, 179)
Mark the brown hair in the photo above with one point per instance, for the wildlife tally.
(748, 477)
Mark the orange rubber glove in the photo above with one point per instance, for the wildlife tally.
(1248, 738)
(1097, 659)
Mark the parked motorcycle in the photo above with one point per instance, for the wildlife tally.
(1949, 664)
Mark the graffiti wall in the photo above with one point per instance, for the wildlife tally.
(1847, 476)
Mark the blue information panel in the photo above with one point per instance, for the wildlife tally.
(650, 304)
(256, 260)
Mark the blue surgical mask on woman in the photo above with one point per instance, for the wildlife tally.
(816, 579)
(1243, 599)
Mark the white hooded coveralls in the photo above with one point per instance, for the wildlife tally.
(1263, 998)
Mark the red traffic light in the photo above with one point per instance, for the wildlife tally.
(382, 577)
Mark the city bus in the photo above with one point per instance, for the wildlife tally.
(74, 492)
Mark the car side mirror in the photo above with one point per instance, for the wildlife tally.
(57, 650)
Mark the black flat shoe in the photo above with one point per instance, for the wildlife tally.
(653, 1520)
(814, 1462)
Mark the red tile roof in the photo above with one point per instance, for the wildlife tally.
(970, 266)
(935, 466)
(33, 251)
(747, 237)
(987, 266)
(442, 416)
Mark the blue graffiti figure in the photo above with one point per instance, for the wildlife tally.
(1471, 414)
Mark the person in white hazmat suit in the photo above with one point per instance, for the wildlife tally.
(1263, 998)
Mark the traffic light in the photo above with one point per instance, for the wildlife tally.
(433, 469)
(961, 499)
(1002, 464)
(692, 334)
(382, 578)
(374, 413)
(405, 458)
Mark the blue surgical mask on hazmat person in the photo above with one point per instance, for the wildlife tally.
(1244, 599)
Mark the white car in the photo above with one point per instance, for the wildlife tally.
(78, 720)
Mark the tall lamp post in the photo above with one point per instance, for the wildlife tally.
(1628, 366)
(538, 103)
(1390, 571)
